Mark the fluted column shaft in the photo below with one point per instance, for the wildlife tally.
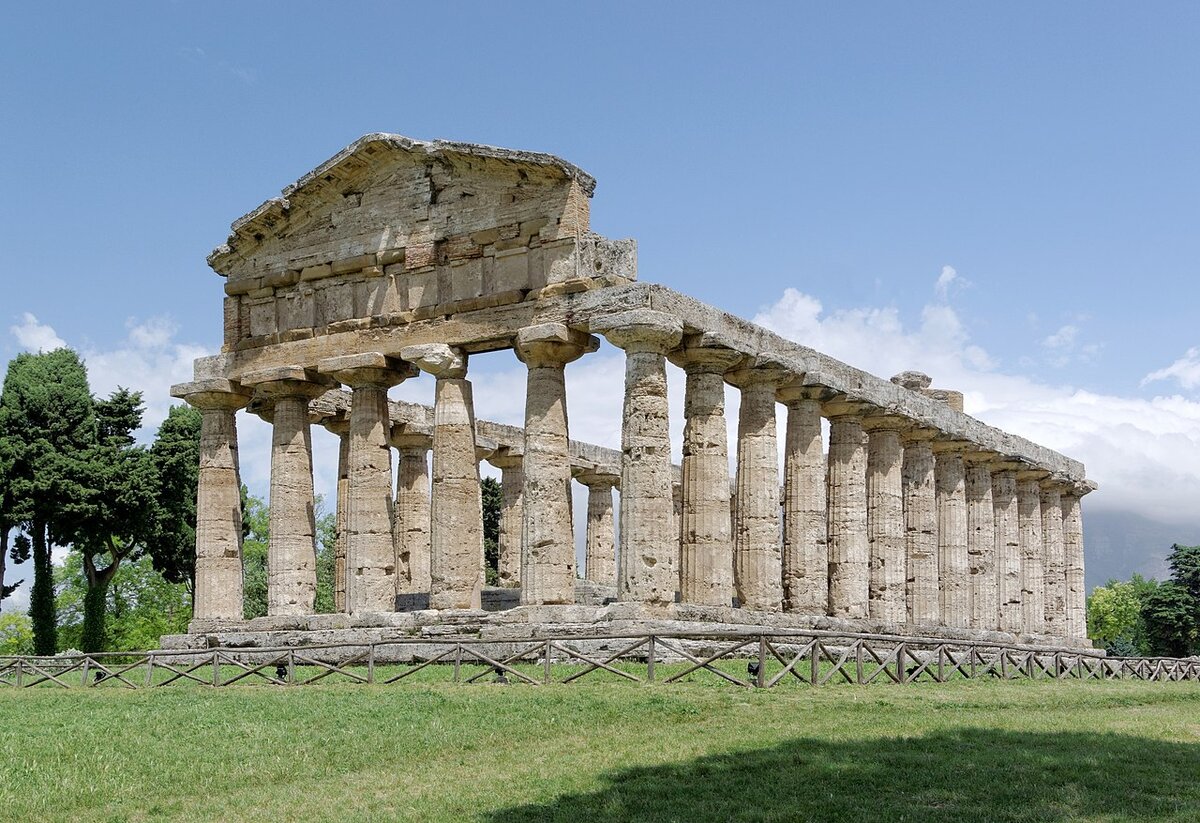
(920, 528)
(339, 543)
(291, 546)
(757, 562)
(219, 582)
(412, 518)
(600, 557)
(1033, 579)
(981, 542)
(1008, 549)
(805, 558)
(649, 529)
(1073, 558)
(548, 541)
(885, 520)
(849, 551)
(1056, 561)
(953, 558)
(512, 484)
(455, 512)
(706, 545)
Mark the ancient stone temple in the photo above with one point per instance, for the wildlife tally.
(400, 260)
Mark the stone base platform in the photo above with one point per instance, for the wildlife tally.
(523, 624)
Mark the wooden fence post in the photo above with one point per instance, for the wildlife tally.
(650, 651)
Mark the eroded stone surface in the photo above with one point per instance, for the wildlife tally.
(849, 549)
(885, 519)
(920, 527)
(805, 560)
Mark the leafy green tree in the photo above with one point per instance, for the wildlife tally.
(1114, 612)
(16, 634)
(1184, 562)
(176, 457)
(115, 515)
(493, 500)
(5, 521)
(46, 421)
(140, 604)
(1170, 615)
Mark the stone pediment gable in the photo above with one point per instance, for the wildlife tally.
(391, 229)
(386, 192)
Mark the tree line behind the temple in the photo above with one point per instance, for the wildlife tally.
(1139, 617)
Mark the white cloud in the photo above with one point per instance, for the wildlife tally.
(1185, 371)
(1064, 338)
(33, 335)
(944, 281)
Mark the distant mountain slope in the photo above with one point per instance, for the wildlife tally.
(1119, 543)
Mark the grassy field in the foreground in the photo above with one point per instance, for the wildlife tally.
(694, 752)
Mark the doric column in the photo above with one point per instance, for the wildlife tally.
(757, 562)
(805, 558)
(341, 427)
(920, 527)
(1073, 557)
(1055, 557)
(849, 550)
(649, 529)
(1008, 546)
(370, 541)
(548, 541)
(885, 518)
(218, 594)
(455, 515)
(981, 540)
(600, 556)
(1033, 578)
(412, 512)
(291, 547)
(512, 483)
(953, 558)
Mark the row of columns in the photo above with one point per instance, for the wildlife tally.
(894, 524)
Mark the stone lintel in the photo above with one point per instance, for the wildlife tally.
(216, 393)
(367, 369)
(640, 330)
(437, 359)
(552, 343)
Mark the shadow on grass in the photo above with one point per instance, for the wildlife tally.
(963, 775)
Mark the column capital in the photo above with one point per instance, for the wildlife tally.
(795, 391)
(339, 425)
(763, 370)
(842, 405)
(552, 344)
(601, 476)
(403, 439)
(887, 422)
(506, 458)
(921, 434)
(213, 395)
(641, 330)
(369, 369)
(288, 381)
(705, 353)
(437, 359)
(1029, 474)
(979, 457)
(951, 446)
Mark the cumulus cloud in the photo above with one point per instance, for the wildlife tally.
(1144, 452)
(1185, 371)
(35, 336)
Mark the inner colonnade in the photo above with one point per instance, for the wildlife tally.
(398, 258)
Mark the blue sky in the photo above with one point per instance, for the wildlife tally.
(1004, 196)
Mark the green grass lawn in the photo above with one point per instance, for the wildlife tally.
(605, 750)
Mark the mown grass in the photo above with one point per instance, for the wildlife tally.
(697, 751)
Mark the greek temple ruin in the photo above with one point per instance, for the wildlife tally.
(399, 259)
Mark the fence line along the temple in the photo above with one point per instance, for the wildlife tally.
(760, 660)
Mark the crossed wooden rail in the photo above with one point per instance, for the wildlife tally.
(814, 658)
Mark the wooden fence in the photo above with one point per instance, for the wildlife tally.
(763, 661)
